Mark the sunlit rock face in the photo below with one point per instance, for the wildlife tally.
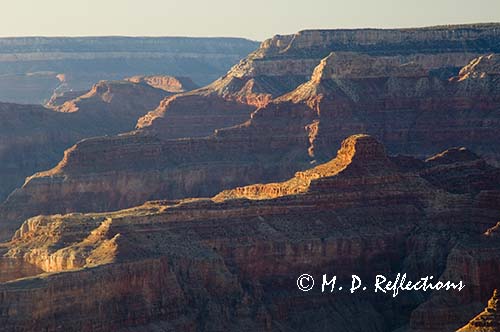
(289, 192)
(488, 320)
(231, 261)
(282, 63)
(168, 83)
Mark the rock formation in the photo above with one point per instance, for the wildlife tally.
(284, 62)
(412, 102)
(397, 102)
(33, 138)
(168, 83)
(230, 263)
(488, 320)
(59, 98)
(31, 68)
(262, 142)
(475, 261)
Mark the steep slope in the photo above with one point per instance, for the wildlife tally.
(59, 98)
(403, 104)
(283, 61)
(474, 260)
(33, 138)
(121, 101)
(354, 150)
(232, 264)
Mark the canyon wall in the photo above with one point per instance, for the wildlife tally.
(33, 138)
(409, 107)
(231, 262)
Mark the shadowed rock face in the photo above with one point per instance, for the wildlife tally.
(33, 138)
(32, 68)
(403, 104)
(404, 100)
(11, 269)
(476, 262)
(231, 264)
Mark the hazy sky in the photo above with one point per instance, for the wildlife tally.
(254, 19)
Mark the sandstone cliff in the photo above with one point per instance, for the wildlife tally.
(475, 261)
(398, 102)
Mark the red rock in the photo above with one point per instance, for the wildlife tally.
(33, 138)
(406, 105)
(235, 262)
(168, 83)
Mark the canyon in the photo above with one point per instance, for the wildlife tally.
(31, 68)
(199, 143)
(33, 137)
(177, 207)
(231, 262)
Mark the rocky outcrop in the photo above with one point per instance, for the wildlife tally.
(397, 102)
(355, 150)
(220, 263)
(120, 101)
(33, 138)
(488, 320)
(168, 83)
(282, 63)
(384, 41)
(346, 85)
(229, 264)
(192, 115)
(31, 67)
(59, 98)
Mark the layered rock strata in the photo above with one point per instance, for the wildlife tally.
(33, 138)
(32, 67)
(231, 264)
(282, 63)
(168, 83)
(404, 105)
